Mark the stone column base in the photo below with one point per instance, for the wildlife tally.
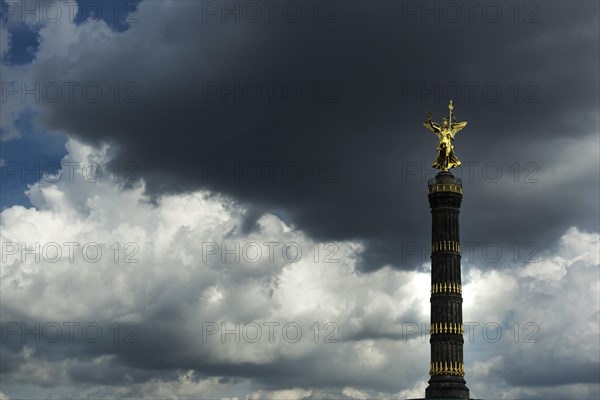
(447, 387)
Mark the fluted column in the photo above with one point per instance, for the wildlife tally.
(447, 364)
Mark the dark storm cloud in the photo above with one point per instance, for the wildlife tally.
(159, 351)
(571, 371)
(359, 146)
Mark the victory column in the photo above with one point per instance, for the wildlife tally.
(445, 194)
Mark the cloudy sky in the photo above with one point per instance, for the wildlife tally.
(229, 199)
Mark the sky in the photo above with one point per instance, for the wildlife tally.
(228, 199)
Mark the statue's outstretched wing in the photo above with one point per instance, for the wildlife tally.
(457, 126)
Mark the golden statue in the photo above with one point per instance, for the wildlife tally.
(446, 158)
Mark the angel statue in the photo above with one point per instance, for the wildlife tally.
(446, 158)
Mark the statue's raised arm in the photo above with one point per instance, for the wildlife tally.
(432, 126)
